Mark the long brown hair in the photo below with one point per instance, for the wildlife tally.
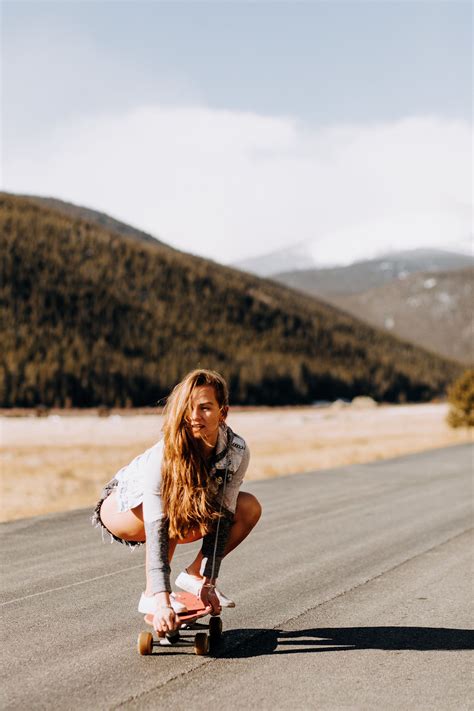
(187, 500)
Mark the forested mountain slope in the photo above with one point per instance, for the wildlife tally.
(92, 316)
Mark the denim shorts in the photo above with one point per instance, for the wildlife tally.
(98, 523)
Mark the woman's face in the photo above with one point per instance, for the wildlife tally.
(205, 415)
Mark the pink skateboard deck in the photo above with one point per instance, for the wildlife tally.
(196, 607)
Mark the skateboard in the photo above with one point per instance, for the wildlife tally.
(187, 621)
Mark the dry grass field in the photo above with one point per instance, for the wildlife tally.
(61, 462)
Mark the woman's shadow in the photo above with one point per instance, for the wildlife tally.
(240, 643)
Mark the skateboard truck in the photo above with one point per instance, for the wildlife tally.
(195, 611)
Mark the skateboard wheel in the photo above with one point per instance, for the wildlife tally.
(201, 643)
(215, 627)
(145, 643)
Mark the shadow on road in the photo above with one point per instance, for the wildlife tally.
(255, 642)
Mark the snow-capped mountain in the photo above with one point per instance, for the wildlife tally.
(371, 273)
(297, 257)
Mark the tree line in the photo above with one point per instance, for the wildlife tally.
(90, 316)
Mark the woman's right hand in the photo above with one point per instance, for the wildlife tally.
(164, 620)
(209, 598)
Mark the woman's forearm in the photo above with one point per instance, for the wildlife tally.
(157, 556)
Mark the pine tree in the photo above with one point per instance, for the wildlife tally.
(461, 399)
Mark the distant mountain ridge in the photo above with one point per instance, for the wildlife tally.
(372, 273)
(295, 258)
(94, 316)
(297, 264)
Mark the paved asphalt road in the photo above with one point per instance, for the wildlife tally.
(354, 592)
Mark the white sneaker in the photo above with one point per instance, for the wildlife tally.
(193, 585)
(147, 605)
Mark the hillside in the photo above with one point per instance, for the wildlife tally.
(93, 316)
(432, 309)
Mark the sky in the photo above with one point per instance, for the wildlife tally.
(232, 129)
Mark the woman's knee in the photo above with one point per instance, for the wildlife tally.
(248, 508)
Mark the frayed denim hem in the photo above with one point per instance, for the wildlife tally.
(98, 523)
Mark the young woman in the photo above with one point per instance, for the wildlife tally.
(184, 488)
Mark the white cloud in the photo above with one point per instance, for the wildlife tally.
(230, 184)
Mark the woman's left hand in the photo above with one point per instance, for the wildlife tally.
(209, 598)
